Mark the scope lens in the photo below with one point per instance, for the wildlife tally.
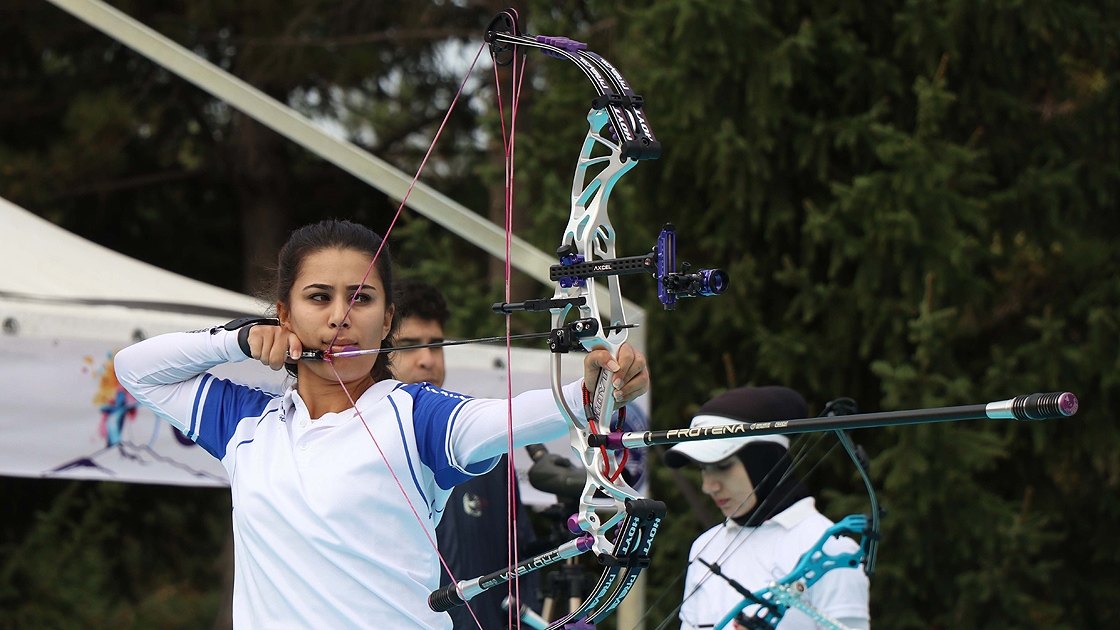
(712, 281)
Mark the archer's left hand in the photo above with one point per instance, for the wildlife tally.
(631, 378)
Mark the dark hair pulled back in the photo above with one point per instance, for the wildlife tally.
(335, 234)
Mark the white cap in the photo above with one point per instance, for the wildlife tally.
(714, 450)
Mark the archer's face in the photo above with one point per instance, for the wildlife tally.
(729, 486)
(418, 366)
(317, 305)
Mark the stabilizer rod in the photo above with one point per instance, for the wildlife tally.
(452, 595)
(1023, 408)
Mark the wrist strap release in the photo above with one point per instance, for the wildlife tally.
(243, 325)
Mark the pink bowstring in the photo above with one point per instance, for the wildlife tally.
(516, 79)
(513, 612)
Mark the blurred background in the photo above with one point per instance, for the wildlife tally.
(916, 202)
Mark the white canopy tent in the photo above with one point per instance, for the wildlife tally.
(67, 305)
(53, 280)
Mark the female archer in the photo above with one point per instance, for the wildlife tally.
(771, 519)
(338, 484)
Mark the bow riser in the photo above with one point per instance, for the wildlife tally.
(590, 233)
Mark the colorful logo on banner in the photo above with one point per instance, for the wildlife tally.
(116, 404)
(118, 422)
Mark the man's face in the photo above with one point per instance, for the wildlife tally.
(418, 366)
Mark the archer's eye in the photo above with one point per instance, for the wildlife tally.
(721, 466)
(362, 298)
(319, 297)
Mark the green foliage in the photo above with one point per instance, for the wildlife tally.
(915, 202)
(104, 555)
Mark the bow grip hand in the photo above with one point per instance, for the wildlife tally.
(624, 377)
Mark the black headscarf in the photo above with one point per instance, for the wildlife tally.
(768, 463)
(776, 487)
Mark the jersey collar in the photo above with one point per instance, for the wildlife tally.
(294, 406)
(795, 513)
(788, 518)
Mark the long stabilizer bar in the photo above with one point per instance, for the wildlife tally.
(1024, 408)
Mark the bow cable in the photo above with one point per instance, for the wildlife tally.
(508, 143)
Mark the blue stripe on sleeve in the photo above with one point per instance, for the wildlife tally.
(193, 432)
(408, 455)
(223, 406)
(433, 414)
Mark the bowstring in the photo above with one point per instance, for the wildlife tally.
(350, 307)
(512, 474)
(509, 371)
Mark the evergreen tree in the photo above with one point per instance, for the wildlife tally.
(914, 202)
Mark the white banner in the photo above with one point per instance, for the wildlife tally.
(63, 414)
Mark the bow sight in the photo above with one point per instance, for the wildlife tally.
(661, 263)
(573, 270)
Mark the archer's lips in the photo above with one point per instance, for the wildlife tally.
(342, 347)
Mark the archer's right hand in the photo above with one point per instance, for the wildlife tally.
(274, 345)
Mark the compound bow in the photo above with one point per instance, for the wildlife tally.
(617, 123)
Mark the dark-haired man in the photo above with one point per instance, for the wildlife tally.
(422, 313)
(472, 532)
(771, 518)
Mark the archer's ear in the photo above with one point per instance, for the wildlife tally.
(389, 320)
(284, 315)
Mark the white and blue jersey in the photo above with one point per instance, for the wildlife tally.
(324, 537)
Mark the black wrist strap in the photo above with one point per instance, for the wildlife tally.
(243, 325)
(242, 322)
